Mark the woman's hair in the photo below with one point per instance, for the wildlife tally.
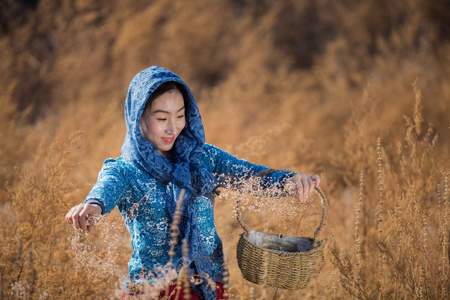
(168, 86)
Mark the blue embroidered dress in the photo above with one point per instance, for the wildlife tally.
(145, 185)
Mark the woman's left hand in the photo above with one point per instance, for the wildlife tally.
(305, 185)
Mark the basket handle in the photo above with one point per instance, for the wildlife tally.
(323, 204)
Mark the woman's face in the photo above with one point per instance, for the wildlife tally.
(164, 119)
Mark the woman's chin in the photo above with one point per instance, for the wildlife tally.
(165, 148)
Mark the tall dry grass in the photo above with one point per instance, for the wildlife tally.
(356, 91)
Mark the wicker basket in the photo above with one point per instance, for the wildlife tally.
(287, 269)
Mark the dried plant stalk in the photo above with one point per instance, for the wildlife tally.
(174, 227)
(445, 257)
(357, 229)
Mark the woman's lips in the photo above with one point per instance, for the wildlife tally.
(168, 140)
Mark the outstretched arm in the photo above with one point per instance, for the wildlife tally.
(233, 171)
(110, 188)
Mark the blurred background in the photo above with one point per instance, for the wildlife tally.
(355, 91)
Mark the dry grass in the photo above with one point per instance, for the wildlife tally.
(361, 98)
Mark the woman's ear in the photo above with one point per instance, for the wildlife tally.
(143, 126)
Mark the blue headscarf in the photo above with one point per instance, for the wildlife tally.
(186, 170)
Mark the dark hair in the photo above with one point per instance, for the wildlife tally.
(168, 86)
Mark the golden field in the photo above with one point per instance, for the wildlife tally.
(355, 91)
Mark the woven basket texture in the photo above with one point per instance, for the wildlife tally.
(282, 269)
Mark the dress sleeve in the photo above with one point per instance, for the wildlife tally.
(233, 171)
(111, 186)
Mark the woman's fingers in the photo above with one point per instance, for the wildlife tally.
(310, 186)
(68, 216)
(75, 222)
(71, 214)
(83, 217)
(76, 216)
(316, 180)
(305, 186)
(300, 188)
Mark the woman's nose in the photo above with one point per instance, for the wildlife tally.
(170, 129)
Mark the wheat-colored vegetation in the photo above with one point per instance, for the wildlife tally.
(356, 91)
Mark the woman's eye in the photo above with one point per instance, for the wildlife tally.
(179, 117)
(159, 119)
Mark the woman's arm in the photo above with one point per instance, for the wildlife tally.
(110, 188)
(234, 172)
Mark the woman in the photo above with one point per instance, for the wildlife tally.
(165, 154)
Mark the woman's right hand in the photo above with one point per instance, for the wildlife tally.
(83, 216)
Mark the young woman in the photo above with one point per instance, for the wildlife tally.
(164, 153)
